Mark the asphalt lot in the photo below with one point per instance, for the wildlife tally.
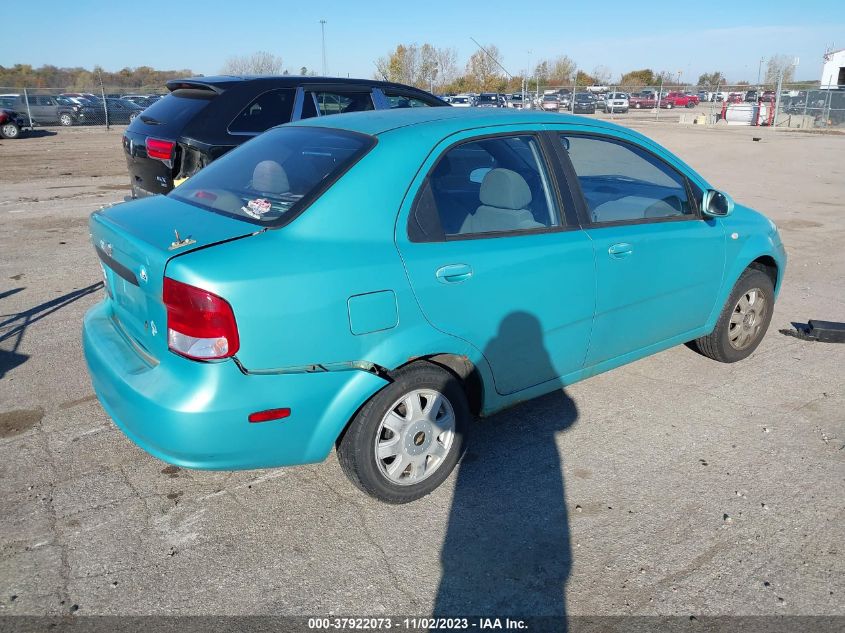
(672, 486)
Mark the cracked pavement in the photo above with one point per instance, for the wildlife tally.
(672, 486)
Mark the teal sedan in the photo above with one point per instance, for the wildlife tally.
(370, 282)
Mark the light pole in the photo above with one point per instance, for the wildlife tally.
(759, 70)
(323, 31)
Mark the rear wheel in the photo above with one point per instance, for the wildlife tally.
(408, 437)
(743, 321)
(10, 130)
(65, 119)
(637, 106)
(668, 106)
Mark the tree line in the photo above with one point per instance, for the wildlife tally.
(77, 79)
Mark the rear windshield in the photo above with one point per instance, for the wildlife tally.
(169, 116)
(272, 178)
(488, 99)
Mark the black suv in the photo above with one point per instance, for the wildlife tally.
(204, 117)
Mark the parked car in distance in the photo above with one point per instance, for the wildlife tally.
(736, 97)
(751, 96)
(676, 100)
(12, 123)
(551, 103)
(694, 98)
(219, 343)
(584, 103)
(516, 101)
(46, 109)
(490, 100)
(616, 102)
(205, 117)
(643, 100)
(462, 101)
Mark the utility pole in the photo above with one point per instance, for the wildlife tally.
(760, 70)
(323, 31)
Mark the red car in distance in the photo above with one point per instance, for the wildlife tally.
(677, 100)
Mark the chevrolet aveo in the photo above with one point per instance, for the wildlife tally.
(372, 281)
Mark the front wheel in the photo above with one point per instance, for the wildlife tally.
(407, 438)
(743, 321)
(10, 130)
(637, 106)
(66, 119)
(668, 106)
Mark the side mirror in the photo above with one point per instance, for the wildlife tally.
(717, 204)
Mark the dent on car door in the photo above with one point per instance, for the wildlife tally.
(492, 260)
(659, 263)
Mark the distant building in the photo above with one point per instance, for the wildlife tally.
(833, 72)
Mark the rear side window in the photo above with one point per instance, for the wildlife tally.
(270, 179)
(341, 103)
(400, 100)
(494, 185)
(169, 116)
(265, 111)
(624, 183)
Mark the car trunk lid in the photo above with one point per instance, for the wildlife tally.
(134, 242)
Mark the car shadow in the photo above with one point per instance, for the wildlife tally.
(38, 133)
(507, 548)
(13, 326)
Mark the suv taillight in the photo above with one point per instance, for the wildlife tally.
(200, 325)
(157, 148)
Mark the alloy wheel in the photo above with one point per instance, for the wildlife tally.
(415, 436)
(747, 319)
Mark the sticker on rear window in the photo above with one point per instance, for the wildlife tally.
(256, 208)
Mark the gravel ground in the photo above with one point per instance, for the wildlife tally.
(672, 486)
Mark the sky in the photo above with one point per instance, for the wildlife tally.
(675, 36)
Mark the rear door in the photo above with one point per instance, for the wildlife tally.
(659, 263)
(495, 257)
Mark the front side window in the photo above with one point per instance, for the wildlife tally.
(265, 111)
(271, 178)
(624, 183)
(491, 185)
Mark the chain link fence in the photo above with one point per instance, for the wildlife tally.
(793, 106)
(43, 107)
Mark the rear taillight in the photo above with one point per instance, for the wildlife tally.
(157, 148)
(200, 325)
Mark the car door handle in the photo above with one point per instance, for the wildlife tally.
(618, 251)
(453, 273)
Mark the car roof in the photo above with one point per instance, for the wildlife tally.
(446, 120)
(223, 82)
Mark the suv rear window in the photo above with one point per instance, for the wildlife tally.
(272, 178)
(267, 110)
(168, 116)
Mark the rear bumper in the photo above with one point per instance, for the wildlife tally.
(195, 414)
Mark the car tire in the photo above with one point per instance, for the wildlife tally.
(637, 106)
(387, 423)
(668, 106)
(66, 119)
(743, 321)
(132, 116)
(690, 104)
(10, 130)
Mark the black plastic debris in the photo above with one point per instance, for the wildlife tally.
(821, 331)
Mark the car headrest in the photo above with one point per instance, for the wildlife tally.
(504, 189)
(270, 177)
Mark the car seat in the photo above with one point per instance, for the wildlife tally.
(504, 197)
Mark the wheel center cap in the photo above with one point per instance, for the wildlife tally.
(417, 438)
(749, 319)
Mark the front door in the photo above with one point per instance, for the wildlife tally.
(493, 260)
(659, 263)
